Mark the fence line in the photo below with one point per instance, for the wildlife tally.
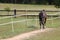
(10, 16)
(32, 10)
(23, 21)
(28, 15)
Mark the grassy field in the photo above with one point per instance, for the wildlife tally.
(25, 7)
(23, 26)
(51, 35)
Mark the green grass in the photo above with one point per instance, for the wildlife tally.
(9, 19)
(51, 35)
(19, 13)
(24, 26)
(27, 6)
(55, 23)
(21, 27)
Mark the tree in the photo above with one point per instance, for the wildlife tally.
(50, 2)
(7, 9)
(41, 2)
(57, 3)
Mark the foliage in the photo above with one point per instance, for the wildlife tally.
(57, 3)
(44, 2)
(7, 9)
(28, 1)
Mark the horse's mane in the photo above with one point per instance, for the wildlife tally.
(42, 14)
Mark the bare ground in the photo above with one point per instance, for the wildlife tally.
(29, 34)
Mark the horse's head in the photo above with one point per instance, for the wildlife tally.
(43, 13)
(43, 10)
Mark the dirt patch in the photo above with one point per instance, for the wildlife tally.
(29, 34)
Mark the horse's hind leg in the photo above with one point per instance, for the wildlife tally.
(40, 25)
(43, 25)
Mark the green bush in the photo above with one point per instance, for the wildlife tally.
(7, 9)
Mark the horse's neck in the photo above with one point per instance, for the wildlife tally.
(44, 14)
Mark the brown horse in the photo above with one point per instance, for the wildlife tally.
(42, 19)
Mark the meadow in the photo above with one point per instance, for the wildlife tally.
(23, 24)
(3, 6)
(51, 35)
(27, 6)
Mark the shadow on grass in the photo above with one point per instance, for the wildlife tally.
(32, 26)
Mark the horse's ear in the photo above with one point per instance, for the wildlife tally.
(43, 10)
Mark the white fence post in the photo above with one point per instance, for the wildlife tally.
(12, 24)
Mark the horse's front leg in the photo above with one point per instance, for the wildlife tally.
(40, 25)
(43, 25)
